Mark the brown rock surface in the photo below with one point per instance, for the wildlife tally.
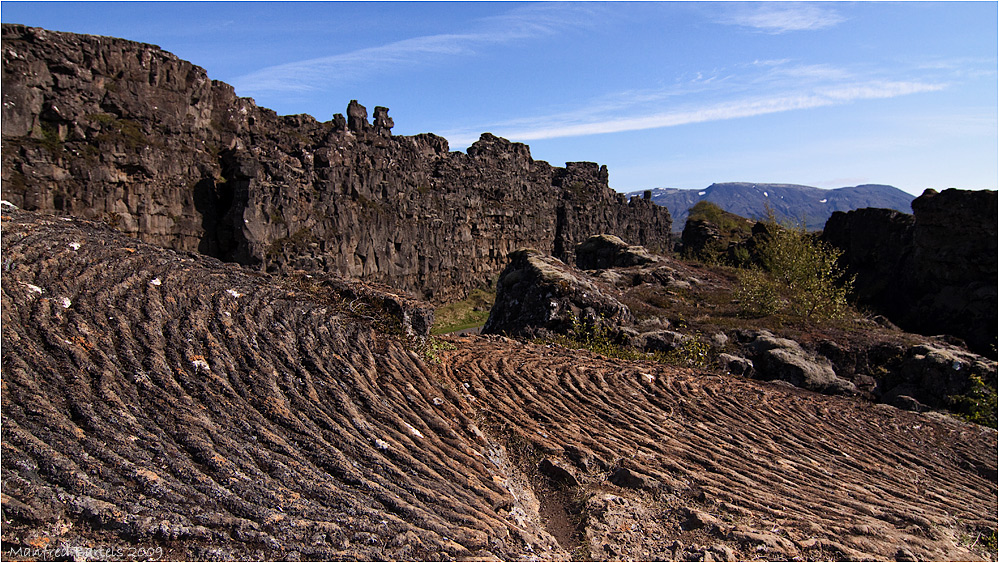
(158, 399)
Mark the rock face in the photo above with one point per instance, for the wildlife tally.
(113, 130)
(933, 272)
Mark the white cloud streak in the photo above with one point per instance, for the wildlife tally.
(533, 20)
(780, 17)
(313, 74)
(569, 125)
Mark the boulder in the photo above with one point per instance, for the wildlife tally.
(698, 235)
(934, 374)
(630, 479)
(736, 365)
(538, 296)
(662, 340)
(785, 360)
(608, 251)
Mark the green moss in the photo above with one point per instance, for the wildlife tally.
(292, 244)
(431, 348)
(470, 312)
(115, 130)
(16, 182)
(91, 153)
(275, 216)
(50, 139)
(102, 118)
(368, 203)
(132, 133)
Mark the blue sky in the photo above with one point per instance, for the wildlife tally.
(666, 94)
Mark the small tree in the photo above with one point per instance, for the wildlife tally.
(797, 275)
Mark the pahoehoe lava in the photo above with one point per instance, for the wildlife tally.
(158, 398)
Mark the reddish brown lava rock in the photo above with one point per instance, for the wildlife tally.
(162, 400)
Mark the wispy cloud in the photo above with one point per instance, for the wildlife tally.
(781, 88)
(313, 74)
(780, 17)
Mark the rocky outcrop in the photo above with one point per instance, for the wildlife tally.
(108, 129)
(934, 272)
(699, 235)
(784, 360)
(608, 251)
(936, 375)
(539, 296)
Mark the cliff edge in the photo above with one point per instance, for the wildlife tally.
(108, 129)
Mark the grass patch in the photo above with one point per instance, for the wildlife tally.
(431, 349)
(602, 340)
(470, 312)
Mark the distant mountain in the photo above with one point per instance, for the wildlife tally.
(788, 201)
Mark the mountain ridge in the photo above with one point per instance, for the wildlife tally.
(790, 202)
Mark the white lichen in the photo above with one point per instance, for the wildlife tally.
(75, 245)
(413, 431)
(381, 445)
(155, 281)
(34, 288)
(234, 293)
(200, 365)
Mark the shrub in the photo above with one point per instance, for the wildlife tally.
(797, 275)
(692, 354)
(978, 405)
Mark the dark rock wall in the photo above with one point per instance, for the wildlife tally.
(933, 272)
(110, 129)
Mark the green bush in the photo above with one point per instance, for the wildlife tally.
(797, 275)
(692, 354)
(978, 405)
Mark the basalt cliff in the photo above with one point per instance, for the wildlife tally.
(104, 128)
(932, 272)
